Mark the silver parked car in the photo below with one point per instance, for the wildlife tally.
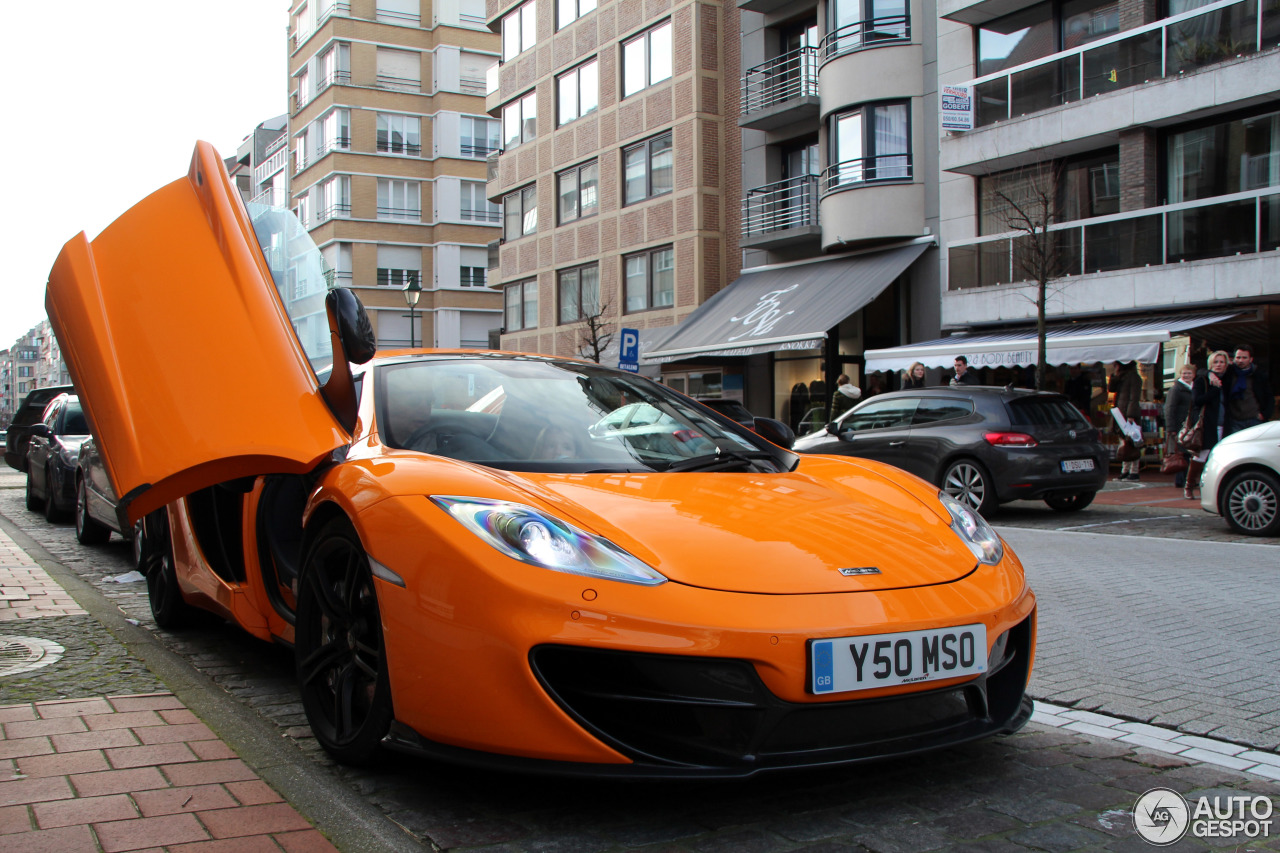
(1241, 480)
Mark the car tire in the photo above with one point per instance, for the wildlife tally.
(968, 482)
(33, 503)
(1250, 503)
(168, 607)
(1073, 502)
(339, 650)
(88, 531)
(52, 512)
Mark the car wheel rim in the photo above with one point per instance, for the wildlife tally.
(342, 669)
(964, 483)
(1253, 504)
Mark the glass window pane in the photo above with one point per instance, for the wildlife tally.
(585, 6)
(529, 107)
(511, 215)
(568, 193)
(531, 305)
(636, 276)
(891, 141)
(589, 186)
(513, 308)
(511, 36)
(590, 298)
(633, 72)
(566, 11)
(660, 165)
(567, 94)
(511, 124)
(664, 278)
(635, 173)
(588, 88)
(660, 54)
(569, 296)
(528, 25)
(529, 200)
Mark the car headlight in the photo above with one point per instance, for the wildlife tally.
(973, 530)
(523, 533)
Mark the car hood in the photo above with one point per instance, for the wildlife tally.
(1265, 433)
(787, 533)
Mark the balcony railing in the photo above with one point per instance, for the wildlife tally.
(268, 198)
(337, 143)
(397, 84)
(784, 78)
(402, 19)
(340, 9)
(336, 78)
(780, 206)
(866, 170)
(405, 213)
(1225, 226)
(274, 163)
(1164, 49)
(337, 210)
(470, 215)
(409, 149)
(473, 86)
(873, 32)
(480, 151)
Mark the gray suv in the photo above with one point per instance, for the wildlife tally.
(984, 446)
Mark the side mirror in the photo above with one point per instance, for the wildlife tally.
(775, 431)
(353, 343)
(41, 429)
(833, 428)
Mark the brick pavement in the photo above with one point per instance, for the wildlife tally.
(107, 774)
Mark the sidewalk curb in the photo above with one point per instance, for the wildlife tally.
(350, 823)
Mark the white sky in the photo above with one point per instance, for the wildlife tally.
(106, 102)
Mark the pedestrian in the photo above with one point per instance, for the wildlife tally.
(1208, 402)
(1079, 388)
(964, 376)
(846, 395)
(1127, 386)
(1177, 403)
(1249, 400)
(914, 377)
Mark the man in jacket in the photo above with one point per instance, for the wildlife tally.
(964, 376)
(1249, 401)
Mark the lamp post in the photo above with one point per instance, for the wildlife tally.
(412, 291)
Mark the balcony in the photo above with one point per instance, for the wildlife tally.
(883, 31)
(274, 163)
(268, 197)
(492, 216)
(1226, 226)
(1165, 49)
(337, 210)
(781, 213)
(782, 91)
(865, 170)
(336, 143)
(406, 149)
(473, 86)
(866, 200)
(398, 84)
(335, 78)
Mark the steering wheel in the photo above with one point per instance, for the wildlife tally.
(418, 435)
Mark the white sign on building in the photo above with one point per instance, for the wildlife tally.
(957, 108)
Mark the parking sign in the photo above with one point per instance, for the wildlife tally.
(629, 350)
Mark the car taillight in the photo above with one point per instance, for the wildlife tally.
(1010, 439)
(686, 434)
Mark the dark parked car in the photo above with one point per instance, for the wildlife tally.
(733, 410)
(983, 446)
(30, 410)
(96, 516)
(52, 455)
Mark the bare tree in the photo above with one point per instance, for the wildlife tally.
(1027, 204)
(593, 337)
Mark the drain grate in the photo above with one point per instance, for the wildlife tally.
(23, 654)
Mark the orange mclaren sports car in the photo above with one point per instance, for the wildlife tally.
(517, 560)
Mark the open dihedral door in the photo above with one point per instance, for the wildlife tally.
(188, 361)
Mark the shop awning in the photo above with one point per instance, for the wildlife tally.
(785, 307)
(1077, 343)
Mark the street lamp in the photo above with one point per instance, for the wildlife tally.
(412, 291)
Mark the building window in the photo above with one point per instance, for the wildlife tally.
(1076, 188)
(334, 198)
(578, 92)
(399, 70)
(520, 120)
(398, 199)
(334, 66)
(579, 293)
(475, 207)
(335, 132)
(471, 276)
(1224, 157)
(578, 190)
(304, 89)
(479, 136)
(399, 134)
(650, 279)
(390, 277)
(521, 212)
(646, 59)
(857, 23)
(522, 306)
(647, 169)
(1042, 30)
(303, 211)
(872, 143)
(568, 11)
(519, 30)
(403, 13)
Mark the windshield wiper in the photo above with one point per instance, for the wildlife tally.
(723, 459)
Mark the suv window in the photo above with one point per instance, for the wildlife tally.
(933, 410)
(882, 414)
(1044, 411)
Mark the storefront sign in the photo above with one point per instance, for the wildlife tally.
(957, 108)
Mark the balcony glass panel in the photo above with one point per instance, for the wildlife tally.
(1270, 24)
(1038, 88)
(1214, 231)
(1121, 64)
(1212, 37)
(993, 263)
(1270, 224)
(992, 99)
(1125, 244)
(962, 267)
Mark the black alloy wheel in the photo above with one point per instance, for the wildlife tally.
(968, 482)
(52, 512)
(338, 645)
(1251, 503)
(168, 607)
(1070, 502)
(88, 531)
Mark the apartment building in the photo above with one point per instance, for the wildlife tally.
(618, 178)
(32, 361)
(386, 145)
(1149, 130)
(258, 168)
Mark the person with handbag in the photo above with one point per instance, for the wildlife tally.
(1177, 403)
(1126, 383)
(1208, 409)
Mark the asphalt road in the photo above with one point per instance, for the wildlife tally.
(1178, 632)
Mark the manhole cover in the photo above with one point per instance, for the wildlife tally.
(23, 654)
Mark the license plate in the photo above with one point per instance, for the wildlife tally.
(844, 664)
(1069, 465)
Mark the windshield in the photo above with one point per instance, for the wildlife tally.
(301, 276)
(534, 414)
(74, 422)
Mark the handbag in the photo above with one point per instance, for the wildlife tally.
(1172, 463)
(1128, 451)
(1191, 438)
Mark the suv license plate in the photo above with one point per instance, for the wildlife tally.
(844, 664)
(1072, 465)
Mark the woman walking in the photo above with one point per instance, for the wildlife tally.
(1177, 403)
(1127, 385)
(1208, 402)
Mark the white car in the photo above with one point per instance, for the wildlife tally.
(1241, 480)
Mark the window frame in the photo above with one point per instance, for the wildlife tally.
(576, 74)
(476, 152)
(386, 212)
(580, 8)
(526, 120)
(528, 225)
(406, 148)
(866, 113)
(650, 256)
(648, 146)
(490, 214)
(523, 30)
(647, 37)
(469, 279)
(580, 208)
(577, 273)
(521, 306)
